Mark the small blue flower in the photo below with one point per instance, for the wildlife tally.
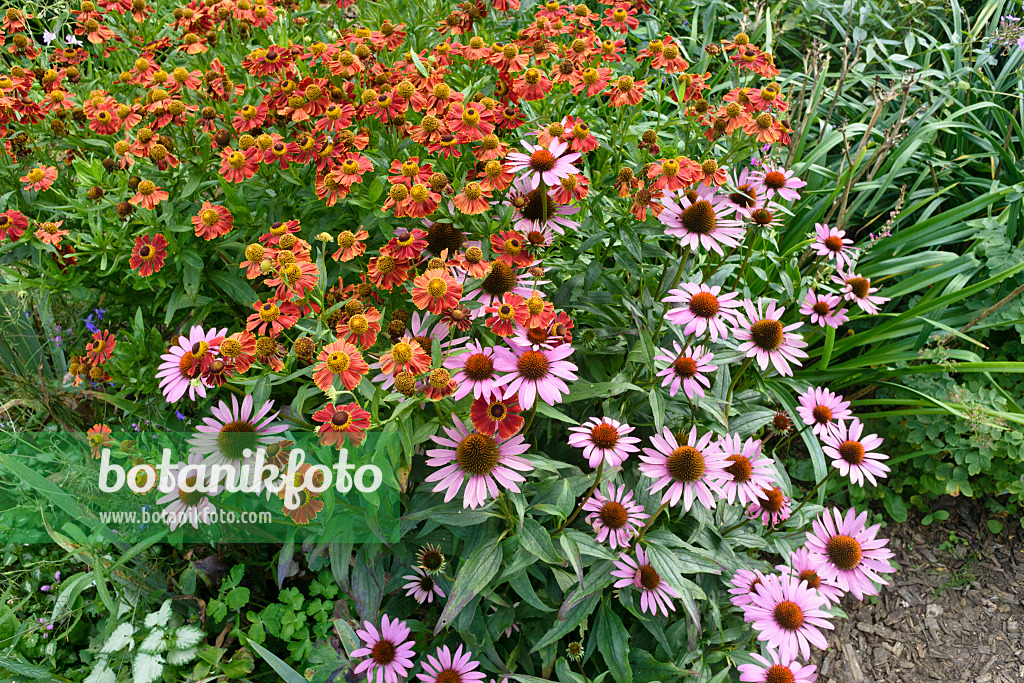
(99, 312)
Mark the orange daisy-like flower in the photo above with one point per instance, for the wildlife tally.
(307, 504)
(236, 165)
(511, 247)
(541, 313)
(436, 290)
(592, 81)
(39, 178)
(148, 254)
(294, 280)
(405, 356)
(471, 122)
(506, 315)
(340, 359)
(472, 200)
(360, 329)
(473, 262)
(406, 244)
(98, 436)
(51, 232)
(212, 221)
(12, 225)
(626, 91)
(386, 271)
(765, 127)
(272, 317)
(352, 168)
(148, 195)
(239, 349)
(350, 245)
(99, 350)
(337, 422)
(532, 85)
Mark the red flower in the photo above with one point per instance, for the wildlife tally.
(506, 315)
(270, 317)
(436, 290)
(236, 166)
(212, 221)
(496, 415)
(339, 421)
(99, 350)
(340, 359)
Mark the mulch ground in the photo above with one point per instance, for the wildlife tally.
(955, 611)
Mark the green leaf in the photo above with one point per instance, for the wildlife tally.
(537, 541)
(613, 644)
(235, 287)
(237, 597)
(474, 575)
(289, 674)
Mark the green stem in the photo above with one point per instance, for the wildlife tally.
(533, 411)
(647, 526)
(808, 497)
(732, 387)
(675, 283)
(569, 520)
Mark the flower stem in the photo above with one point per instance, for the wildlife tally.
(533, 411)
(647, 526)
(732, 387)
(807, 498)
(569, 520)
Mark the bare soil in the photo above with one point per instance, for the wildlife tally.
(955, 611)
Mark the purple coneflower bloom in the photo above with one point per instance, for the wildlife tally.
(689, 471)
(422, 586)
(192, 506)
(777, 670)
(824, 309)
(821, 409)
(745, 198)
(486, 461)
(604, 440)
(474, 371)
(388, 652)
(847, 552)
(184, 363)
(741, 587)
(858, 289)
(451, 668)
(704, 309)
(533, 373)
(787, 615)
(615, 516)
(772, 510)
(687, 368)
(775, 180)
(536, 211)
(698, 218)
(747, 474)
(832, 243)
(765, 338)
(547, 165)
(655, 594)
(233, 429)
(853, 454)
(805, 568)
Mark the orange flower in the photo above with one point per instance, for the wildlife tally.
(39, 178)
(149, 254)
(340, 359)
(506, 315)
(350, 245)
(148, 195)
(360, 329)
(472, 200)
(436, 290)
(98, 436)
(386, 271)
(405, 356)
(337, 422)
(308, 504)
(99, 350)
(212, 221)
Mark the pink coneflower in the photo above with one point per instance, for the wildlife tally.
(805, 568)
(858, 289)
(536, 211)
(474, 371)
(824, 309)
(787, 615)
(655, 594)
(481, 459)
(747, 472)
(388, 652)
(615, 516)
(686, 368)
(704, 309)
(698, 218)
(39, 178)
(234, 429)
(777, 670)
(772, 510)
(847, 553)
(821, 410)
(533, 373)
(186, 361)
(689, 470)
(543, 165)
(742, 585)
(833, 244)
(422, 587)
(853, 453)
(451, 668)
(604, 440)
(187, 496)
(765, 338)
(775, 180)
